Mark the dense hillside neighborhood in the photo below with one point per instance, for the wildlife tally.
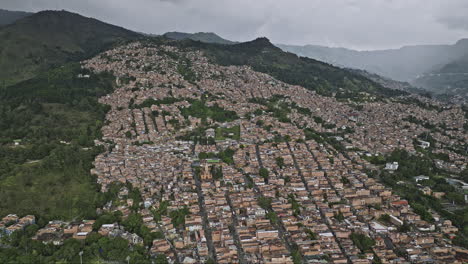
(135, 148)
(231, 165)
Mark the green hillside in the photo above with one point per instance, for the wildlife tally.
(457, 66)
(264, 57)
(206, 37)
(48, 39)
(436, 68)
(53, 118)
(451, 79)
(8, 17)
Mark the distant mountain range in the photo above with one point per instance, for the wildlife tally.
(451, 79)
(47, 39)
(436, 68)
(390, 83)
(8, 17)
(404, 64)
(215, 39)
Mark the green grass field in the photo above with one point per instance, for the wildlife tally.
(231, 132)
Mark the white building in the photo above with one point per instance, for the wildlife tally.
(391, 166)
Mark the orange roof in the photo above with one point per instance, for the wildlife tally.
(401, 202)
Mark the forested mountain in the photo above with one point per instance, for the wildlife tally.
(8, 17)
(321, 77)
(403, 64)
(50, 38)
(423, 66)
(391, 84)
(426, 66)
(51, 113)
(52, 118)
(450, 79)
(206, 37)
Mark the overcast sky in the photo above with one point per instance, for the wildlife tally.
(358, 24)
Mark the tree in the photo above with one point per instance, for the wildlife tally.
(217, 172)
(457, 198)
(106, 218)
(464, 174)
(404, 228)
(264, 202)
(264, 173)
(133, 223)
(384, 218)
(227, 156)
(178, 216)
(422, 211)
(273, 217)
(210, 261)
(280, 162)
(296, 207)
(340, 217)
(161, 259)
(363, 242)
(311, 234)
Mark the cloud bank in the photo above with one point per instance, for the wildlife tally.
(359, 24)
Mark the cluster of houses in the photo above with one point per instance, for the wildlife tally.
(56, 232)
(313, 200)
(12, 223)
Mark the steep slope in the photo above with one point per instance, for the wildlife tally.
(402, 64)
(50, 38)
(321, 77)
(457, 66)
(206, 37)
(8, 17)
(53, 118)
(391, 84)
(450, 79)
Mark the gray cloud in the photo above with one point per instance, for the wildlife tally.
(174, 1)
(454, 14)
(457, 22)
(361, 24)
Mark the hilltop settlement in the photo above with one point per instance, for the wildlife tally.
(234, 166)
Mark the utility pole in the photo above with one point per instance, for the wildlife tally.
(81, 257)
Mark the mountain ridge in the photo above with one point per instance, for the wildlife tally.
(207, 37)
(48, 39)
(265, 57)
(353, 61)
(406, 64)
(392, 63)
(8, 16)
(52, 38)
